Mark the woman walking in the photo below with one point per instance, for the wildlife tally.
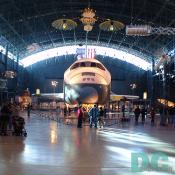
(80, 117)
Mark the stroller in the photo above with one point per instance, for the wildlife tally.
(18, 126)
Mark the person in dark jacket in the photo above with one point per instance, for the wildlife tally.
(143, 112)
(101, 117)
(123, 111)
(152, 114)
(173, 117)
(80, 117)
(28, 109)
(137, 114)
(94, 113)
(4, 119)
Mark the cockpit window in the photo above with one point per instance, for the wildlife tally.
(75, 66)
(82, 64)
(100, 66)
(93, 65)
(87, 64)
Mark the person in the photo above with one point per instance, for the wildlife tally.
(161, 111)
(28, 109)
(69, 111)
(123, 110)
(137, 114)
(143, 112)
(80, 117)
(105, 112)
(65, 111)
(152, 113)
(171, 115)
(101, 117)
(163, 115)
(93, 113)
(14, 111)
(85, 115)
(4, 119)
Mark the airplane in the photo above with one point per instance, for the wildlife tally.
(87, 81)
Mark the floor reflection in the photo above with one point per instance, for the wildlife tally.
(66, 150)
(53, 133)
(133, 142)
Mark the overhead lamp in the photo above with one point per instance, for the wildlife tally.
(64, 24)
(38, 92)
(145, 95)
(111, 25)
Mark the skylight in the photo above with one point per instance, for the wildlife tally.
(99, 50)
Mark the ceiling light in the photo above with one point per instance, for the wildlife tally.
(64, 24)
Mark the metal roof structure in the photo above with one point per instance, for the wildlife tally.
(27, 23)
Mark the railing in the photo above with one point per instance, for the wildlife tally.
(111, 118)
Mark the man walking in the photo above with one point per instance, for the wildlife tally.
(137, 114)
(94, 113)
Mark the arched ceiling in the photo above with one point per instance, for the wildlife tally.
(23, 22)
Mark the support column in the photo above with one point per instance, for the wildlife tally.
(6, 68)
(6, 58)
(153, 95)
(165, 96)
(17, 74)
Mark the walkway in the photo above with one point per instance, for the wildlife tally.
(57, 149)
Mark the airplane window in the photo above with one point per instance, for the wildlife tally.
(82, 64)
(93, 65)
(100, 66)
(75, 66)
(88, 64)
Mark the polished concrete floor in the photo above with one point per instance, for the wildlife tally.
(58, 149)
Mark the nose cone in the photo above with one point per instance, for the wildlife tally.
(89, 94)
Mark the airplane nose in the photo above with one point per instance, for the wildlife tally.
(89, 94)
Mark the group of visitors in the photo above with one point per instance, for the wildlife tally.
(167, 114)
(143, 112)
(95, 115)
(10, 120)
